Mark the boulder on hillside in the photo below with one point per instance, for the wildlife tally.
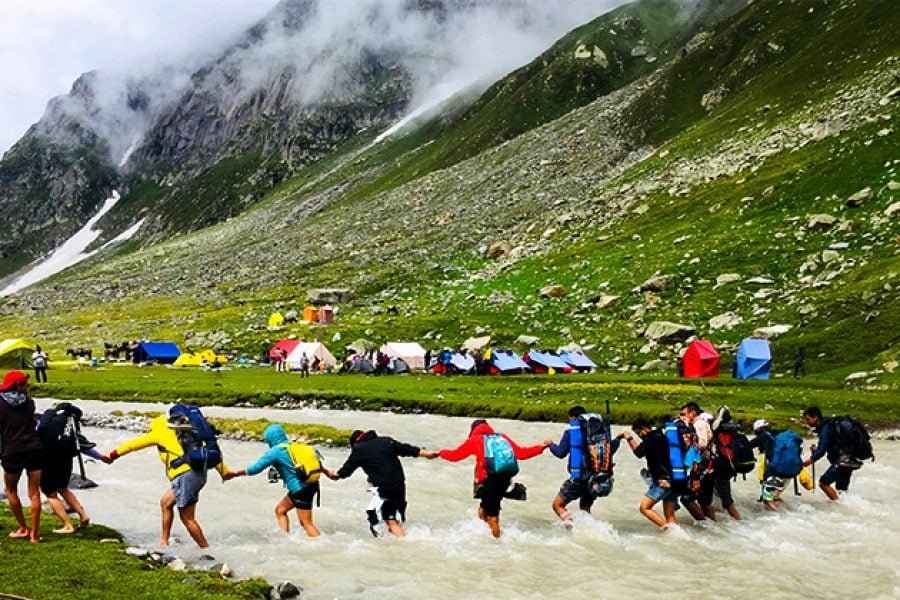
(892, 210)
(655, 365)
(477, 343)
(499, 250)
(658, 283)
(528, 340)
(725, 321)
(329, 296)
(726, 278)
(553, 291)
(860, 198)
(821, 222)
(667, 332)
(771, 331)
(606, 301)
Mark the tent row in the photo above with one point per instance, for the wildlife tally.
(497, 361)
(753, 360)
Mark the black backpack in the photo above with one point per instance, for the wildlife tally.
(58, 429)
(853, 439)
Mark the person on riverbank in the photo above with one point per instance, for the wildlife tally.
(286, 457)
(186, 482)
(39, 360)
(843, 458)
(60, 433)
(379, 458)
(654, 448)
(20, 450)
(496, 456)
(575, 445)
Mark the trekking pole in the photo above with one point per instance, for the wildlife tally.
(813, 477)
(78, 447)
(796, 488)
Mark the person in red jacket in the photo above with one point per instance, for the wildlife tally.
(491, 486)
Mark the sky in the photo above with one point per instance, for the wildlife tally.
(46, 44)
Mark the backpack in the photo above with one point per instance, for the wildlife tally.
(786, 461)
(679, 435)
(196, 436)
(58, 429)
(306, 462)
(597, 454)
(735, 452)
(853, 440)
(499, 456)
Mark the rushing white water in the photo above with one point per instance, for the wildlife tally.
(72, 251)
(848, 549)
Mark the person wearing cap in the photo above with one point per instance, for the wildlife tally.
(379, 458)
(771, 487)
(20, 450)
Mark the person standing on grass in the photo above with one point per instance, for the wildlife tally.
(654, 447)
(799, 363)
(304, 365)
(20, 450)
(39, 360)
(186, 483)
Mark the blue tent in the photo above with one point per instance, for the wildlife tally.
(161, 352)
(754, 359)
(577, 360)
(546, 360)
(506, 362)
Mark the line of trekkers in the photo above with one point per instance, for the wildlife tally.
(690, 459)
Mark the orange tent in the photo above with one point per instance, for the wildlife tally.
(310, 314)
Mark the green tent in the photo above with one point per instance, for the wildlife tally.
(15, 354)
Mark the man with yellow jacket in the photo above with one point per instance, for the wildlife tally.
(186, 482)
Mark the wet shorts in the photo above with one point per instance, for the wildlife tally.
(837, 475)
(491, 491)
(577, 489)
(722, 488)
(393, 507)
(658, 493)
(303, 498)
(29, 460)
(56, 474)
(187, 487)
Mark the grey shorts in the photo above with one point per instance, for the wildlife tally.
(187, 487)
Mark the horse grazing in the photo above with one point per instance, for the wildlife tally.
(81, 351)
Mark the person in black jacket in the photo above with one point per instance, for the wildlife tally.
(379, 458)
(655, 449)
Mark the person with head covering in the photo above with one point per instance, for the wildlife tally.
(20, 450)
(379, 458)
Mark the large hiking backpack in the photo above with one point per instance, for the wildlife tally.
(853, 440)
(735, 452)
(58, 429)
(196, 436)
(597, 454)
(499, 456)
(305, 459)
(786, 461)
(680, 436)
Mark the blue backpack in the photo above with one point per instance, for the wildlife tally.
(786, 461)
(676, 432)
(196, 436)
(499, 456)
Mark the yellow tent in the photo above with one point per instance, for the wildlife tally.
(198, 359)
(15, 354)
(276, 319)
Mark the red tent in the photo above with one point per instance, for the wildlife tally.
(700, 360)
(286, 345)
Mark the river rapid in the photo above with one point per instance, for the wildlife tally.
(810, 548)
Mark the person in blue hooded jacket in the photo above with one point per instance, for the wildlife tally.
(299, 496)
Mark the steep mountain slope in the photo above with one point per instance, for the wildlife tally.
(729, 169)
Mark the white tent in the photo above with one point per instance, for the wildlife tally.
(313, 350)
(412, 353)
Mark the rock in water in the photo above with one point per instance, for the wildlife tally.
(77, 482)
(287, 589)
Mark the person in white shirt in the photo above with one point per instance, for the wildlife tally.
(39, 360)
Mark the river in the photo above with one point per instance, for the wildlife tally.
(810, 548)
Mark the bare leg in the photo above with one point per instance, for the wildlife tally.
(733, 511)
(559, 507)
(306, 521)
(494, 524)
(15, 504)
(829, 491)
(192, 526)
(669, 512)
(60, 511)
(709, 512)
(70, 498)
(281, 514)
(646, 509)
(34, 494)
(167, 507)
(695, 510)
(394, 527)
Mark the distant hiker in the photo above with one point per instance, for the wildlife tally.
(654, 447)
(799, 363)
(779, 459)
(590, 447)
(39, 360)
(304, 365)
(279, 356)
(428, 359)
(844, 441)
(298, 466)
(316, 365)
(379, 458)
(447, 362)
(187, 447)
(20, 450)
(496, 463)
(60, 433)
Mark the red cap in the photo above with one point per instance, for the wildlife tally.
(12, 378)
